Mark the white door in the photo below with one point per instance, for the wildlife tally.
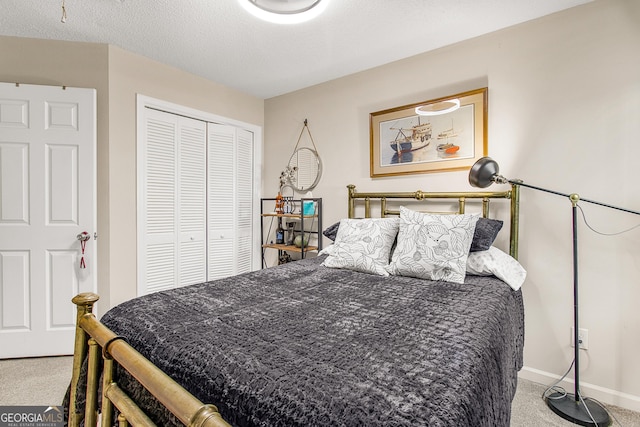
(195, 203)
(221, 201)
(47, 198)
(172, 163)
(245, 170)
(230, 200)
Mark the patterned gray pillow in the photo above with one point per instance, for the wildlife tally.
(433, 247)
(485, 234)
(363, 245)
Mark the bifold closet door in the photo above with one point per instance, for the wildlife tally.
(245, 201)
(172, 162)
(230, 200)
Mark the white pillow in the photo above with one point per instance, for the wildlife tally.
(327, 250)
(497, 263)
(433, 246)
(363, 245)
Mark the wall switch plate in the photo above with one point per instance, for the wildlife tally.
(583, 338)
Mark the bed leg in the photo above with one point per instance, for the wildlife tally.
(84, 303)
(107, 406)
(91, 408)
(122, 421)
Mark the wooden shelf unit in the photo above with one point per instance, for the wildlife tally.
(267, 211)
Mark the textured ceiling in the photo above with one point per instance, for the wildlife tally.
(218, 40)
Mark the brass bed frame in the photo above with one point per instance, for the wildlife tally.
(94, 340)
(460, 197)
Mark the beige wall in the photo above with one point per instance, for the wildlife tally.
(118, 76)
(129, 75)
(564, 103)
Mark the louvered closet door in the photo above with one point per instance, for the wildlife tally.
(172, 204)
(244, 201)
(230, 200)
(192, 198)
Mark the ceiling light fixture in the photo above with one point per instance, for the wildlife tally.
(285, 11)
(435, 109)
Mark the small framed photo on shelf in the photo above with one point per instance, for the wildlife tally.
(441, 134)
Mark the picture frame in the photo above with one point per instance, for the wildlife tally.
(442, 134)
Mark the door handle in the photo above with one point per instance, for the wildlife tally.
(83, 237)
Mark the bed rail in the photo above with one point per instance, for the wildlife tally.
(484, 197)
(93, 338)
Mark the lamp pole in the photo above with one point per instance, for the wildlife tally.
(576, 340)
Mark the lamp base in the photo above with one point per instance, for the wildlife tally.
(566, 406)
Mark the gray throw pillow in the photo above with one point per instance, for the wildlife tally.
(486, 232)
(331, 231)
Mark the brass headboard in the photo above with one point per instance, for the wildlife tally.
(462, 198)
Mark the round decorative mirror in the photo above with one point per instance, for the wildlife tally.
(306, 168)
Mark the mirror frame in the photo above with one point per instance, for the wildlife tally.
(318, 175)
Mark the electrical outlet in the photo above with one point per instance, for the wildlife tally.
(583, 338)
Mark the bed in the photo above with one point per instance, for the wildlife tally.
(310, 344)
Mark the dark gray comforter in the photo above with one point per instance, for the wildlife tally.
(305, 345)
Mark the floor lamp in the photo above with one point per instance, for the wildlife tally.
(572, 407)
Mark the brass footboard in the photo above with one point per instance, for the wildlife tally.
(95, 340)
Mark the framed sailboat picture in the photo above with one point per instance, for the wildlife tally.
(447, 133)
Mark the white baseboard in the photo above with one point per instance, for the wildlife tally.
(602, 394)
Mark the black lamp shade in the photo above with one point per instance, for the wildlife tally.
(483, 172)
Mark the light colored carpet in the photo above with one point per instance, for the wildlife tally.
(44, 381)
(529, 410)
(39, 381)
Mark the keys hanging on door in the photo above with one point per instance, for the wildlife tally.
(83, 237)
